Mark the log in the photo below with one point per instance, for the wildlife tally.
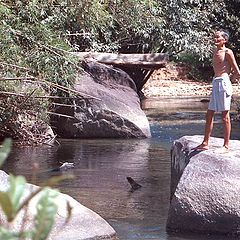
(146, 61)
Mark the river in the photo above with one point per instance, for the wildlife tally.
(102, 165)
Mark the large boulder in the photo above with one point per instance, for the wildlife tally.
(83, 224)
(109, 106)
(205, 187)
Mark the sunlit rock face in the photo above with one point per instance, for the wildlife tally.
(205, 187)
(109, 106)
(84, 224)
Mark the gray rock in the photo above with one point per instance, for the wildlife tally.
(112, 111)
(205, 187)
(83, 224)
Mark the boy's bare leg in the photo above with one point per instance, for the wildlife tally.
(227, 128)
(208, 131)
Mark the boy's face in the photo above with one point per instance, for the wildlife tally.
(219, 40)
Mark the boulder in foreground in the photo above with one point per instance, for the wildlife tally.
(205, 187)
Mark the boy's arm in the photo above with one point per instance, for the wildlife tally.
(232, 61)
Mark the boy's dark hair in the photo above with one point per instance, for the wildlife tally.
(225, 34)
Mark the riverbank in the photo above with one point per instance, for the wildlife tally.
(174, 81)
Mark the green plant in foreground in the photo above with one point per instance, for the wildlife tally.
(11, 203)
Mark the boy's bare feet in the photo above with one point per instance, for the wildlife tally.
(201, 147)
(223, 149)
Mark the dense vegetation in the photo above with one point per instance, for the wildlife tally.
(38, 36)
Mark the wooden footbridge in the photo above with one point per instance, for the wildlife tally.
(138, 66)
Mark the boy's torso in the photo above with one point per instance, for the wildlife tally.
(220, 64)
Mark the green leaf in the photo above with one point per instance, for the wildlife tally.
(46, 211)
(7, 234)
(6, 205)
(16, 190)
(5, 149)
(4, 11)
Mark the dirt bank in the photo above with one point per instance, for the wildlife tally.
(174, 81)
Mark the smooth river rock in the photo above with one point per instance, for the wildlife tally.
(108, 106)
(205, 187)
(84, 224)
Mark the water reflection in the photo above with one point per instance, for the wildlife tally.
(101, 168)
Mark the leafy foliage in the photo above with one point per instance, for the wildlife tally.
(34, 54)
(103, 26)
(41, 33)
(46, 211)
(10, 200)
(150, 25)
(30, 35)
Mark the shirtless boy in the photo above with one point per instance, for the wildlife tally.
(224, 64)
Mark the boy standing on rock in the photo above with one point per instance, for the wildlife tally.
(224, 63)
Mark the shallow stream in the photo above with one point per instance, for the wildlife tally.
(102, 165)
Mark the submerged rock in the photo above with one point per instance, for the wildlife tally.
(134, 184)
(110, 106)
(205, 187)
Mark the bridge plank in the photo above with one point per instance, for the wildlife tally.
(148, 61)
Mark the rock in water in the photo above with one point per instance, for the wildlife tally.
(133, 184)
(65, 166)
(109, 107)
(205, 187)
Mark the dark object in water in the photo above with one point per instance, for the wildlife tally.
(133, 184)
(204, 100)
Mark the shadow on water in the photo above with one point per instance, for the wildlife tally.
(102, 165)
